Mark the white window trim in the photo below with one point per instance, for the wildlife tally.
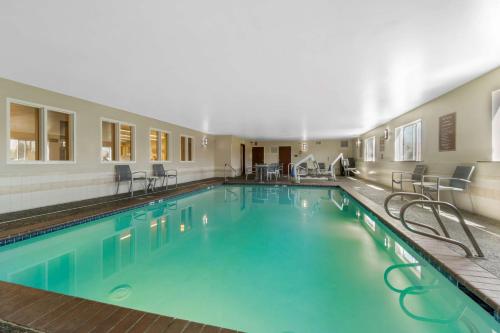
(169, 151)
(193, 151)
(43, 130)
(374, 147)
(398, 144)
(134, 136)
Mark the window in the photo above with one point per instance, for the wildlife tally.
(24, 133)
(186, 148)
(408, 142)
(117, 141)
(370, 149)
(154, 142)
(158, 145)
(59, 136)
(164, 146)
(39, 133)
(126, 137)
(108, 152)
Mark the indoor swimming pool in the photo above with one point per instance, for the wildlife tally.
(254, 259)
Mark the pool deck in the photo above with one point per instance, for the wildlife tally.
(25, 309)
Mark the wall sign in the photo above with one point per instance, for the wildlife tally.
(448, 132)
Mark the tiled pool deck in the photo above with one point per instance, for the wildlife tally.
(25, 309)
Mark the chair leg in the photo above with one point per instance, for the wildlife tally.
(471, 202)
(131, 188)
(453, 199)
(117, 187)
(166, 186)
(175, 181)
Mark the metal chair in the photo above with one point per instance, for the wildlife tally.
(171, 174)
(249, 170)
(346, 164)
(459, 182)
(321, 169)
(124, 174)
(272, 170)
(408, 177)
(159, 172)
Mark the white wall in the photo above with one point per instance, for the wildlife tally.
(24, 186)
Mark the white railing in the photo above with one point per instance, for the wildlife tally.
(297, 167)
(332, 165)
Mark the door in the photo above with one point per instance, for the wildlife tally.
(285, 157)
(242, 159)
(257, 155)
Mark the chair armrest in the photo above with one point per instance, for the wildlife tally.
(171, 172)
(437, 178)
(401, 173)
(459, 179)
(140, 172)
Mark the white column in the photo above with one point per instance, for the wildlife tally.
(495, 123)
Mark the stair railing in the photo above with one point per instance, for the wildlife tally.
(435, 206)
(228, 166)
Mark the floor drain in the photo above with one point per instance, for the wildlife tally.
(120, 292)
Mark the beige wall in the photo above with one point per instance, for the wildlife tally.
(25, 186)
(472, 103)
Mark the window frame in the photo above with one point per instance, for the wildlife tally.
(374, 146)
(399, 155)
(118, 124)
(192, 148)
(43, 129)
(169, 145)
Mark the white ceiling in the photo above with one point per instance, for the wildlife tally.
(263, 69)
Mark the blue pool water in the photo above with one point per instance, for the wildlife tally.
(252, 258)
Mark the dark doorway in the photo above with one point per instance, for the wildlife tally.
(242, 159)
(285, 157)
(257, 155)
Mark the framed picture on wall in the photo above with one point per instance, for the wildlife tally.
(448, 132)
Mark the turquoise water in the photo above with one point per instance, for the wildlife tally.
(256, 259)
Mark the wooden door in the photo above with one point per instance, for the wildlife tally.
(257, 155)
(242, 159)
(285, 157)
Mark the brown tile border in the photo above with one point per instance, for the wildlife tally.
(25, 313)
(15, 230)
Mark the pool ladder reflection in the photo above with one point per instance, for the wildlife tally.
(417, 290)
(434, 205)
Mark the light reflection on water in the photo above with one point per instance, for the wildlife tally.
(298, 259)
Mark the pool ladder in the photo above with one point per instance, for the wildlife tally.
(434, 205)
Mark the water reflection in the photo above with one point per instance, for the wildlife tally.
(112, 260)
(418, 285)
(103, 249)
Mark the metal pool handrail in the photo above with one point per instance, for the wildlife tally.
(417, 195)
(226, 165)
(424, 200)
